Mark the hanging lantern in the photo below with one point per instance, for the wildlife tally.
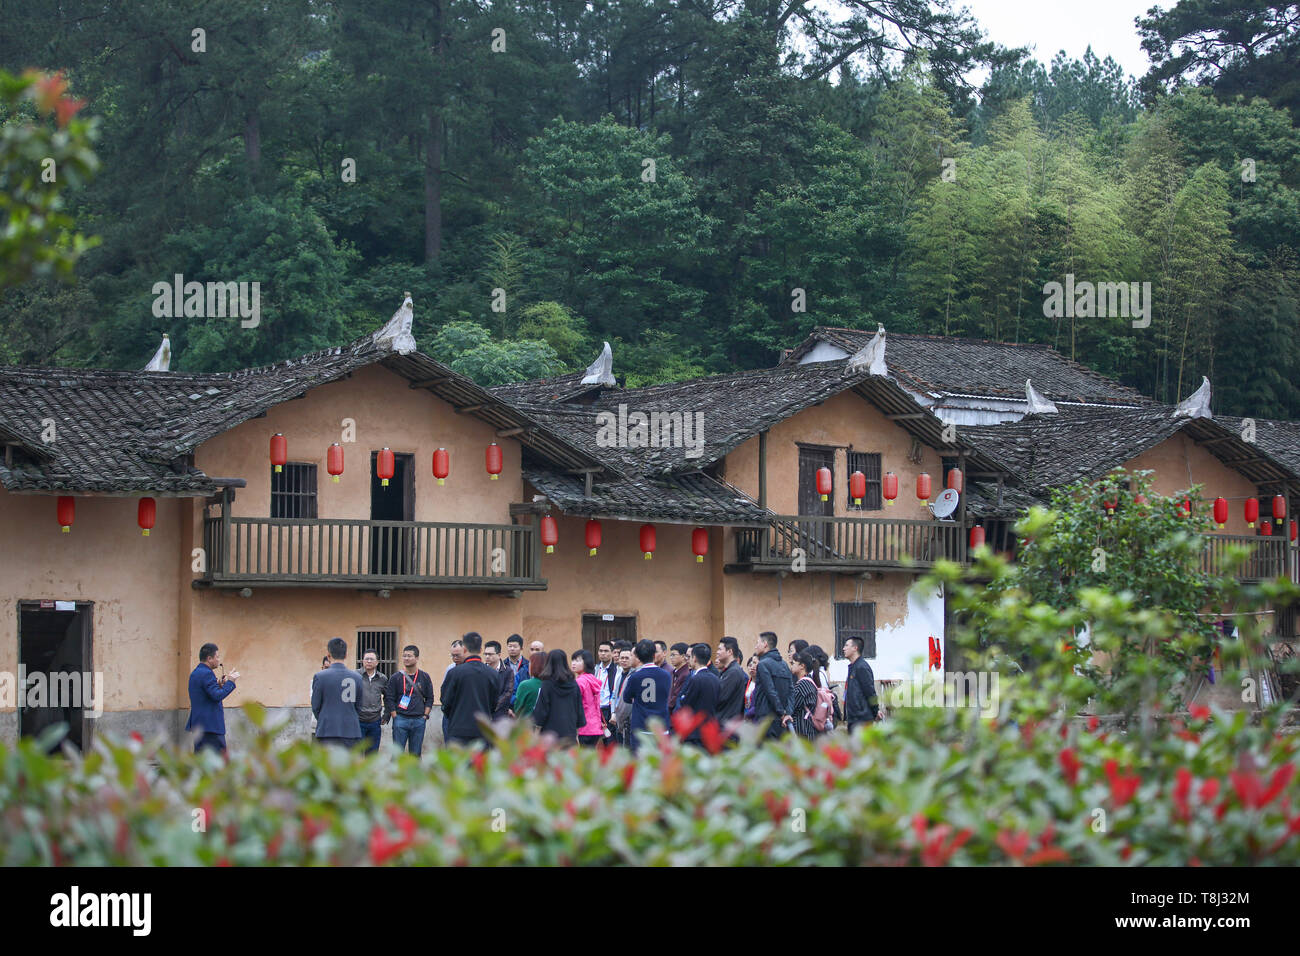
(1266, 527)
(1111, 505)
(65, 511)
(1279, 508)
(1293, 529)
(593, 536)
(385, 464)
(494, 461)
(976, 537)
(1186, 507)
(334, 461)
(700, 544)
(955, 479)
(889, 487)
(441, 465)
(648, 540)
(1220, 511)
(146, 514)
(550, 533)
(1252, 511)
(1139, 499)
(824, 482)
(923, 486)
(857, 487)
(279, 451)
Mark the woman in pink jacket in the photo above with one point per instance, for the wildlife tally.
(584, 669)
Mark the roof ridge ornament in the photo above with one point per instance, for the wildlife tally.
(1037, 404)
(396, 333)
(871, 357)
(601, 371)
(162, 359)
(1197, 404)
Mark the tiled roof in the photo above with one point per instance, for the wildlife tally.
(939, 365)
(689, 498)
(1053, 450)
(1279, 440)
(561, 388)
(121, 432)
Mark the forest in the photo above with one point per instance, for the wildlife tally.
(699, 182)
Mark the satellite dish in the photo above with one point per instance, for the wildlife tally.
(946, 503)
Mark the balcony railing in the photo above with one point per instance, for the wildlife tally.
(338, 552)
(1272, 557)
(849, 544)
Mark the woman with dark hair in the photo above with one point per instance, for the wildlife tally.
(803, 697)
(751, 668)
(592, 730)
(526, 693)
(558, 712)
(795, 647)
(823, 678)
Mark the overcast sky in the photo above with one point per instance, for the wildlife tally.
(1046, 26)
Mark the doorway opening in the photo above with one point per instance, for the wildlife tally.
(54, 658)
(606, 627)
(392, 549)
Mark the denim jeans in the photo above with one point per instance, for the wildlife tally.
(215, 742)
(371, 733)
(409, 729)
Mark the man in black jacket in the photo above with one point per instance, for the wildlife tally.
(470, 689)
(732, 681)
(700, 692)
(772, 698)
(861, 705)
(492, 658)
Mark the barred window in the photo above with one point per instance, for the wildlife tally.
(384, 644)
(869, 464)
(293, 491)
(855, 619)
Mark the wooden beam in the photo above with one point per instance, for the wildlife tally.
(586, 491)
(426, 382)
(469, 409)
(510, 432)
(762, 469)
(899, 418)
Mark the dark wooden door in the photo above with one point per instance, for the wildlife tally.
(391, 549)
(596, 629)
(813, 535)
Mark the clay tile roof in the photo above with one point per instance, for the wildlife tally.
(940, 365)
(561, 388)
(1053, 450)
(693, 498)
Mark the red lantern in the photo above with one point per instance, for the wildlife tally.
(441, 465)
(954, 479)
(1186, 507)
(857, 487)
(976, 537)
(1220, 511)
(550, 533)
(279, 451)
(1293, 529)
(1266, 527)
(923, 486)
(384, 466)
(334, 461)
(700, 544)
(1252, 511)
(494, 461)
(146, 514)
(648, 540)
(889, 487)
(593, 536)
(65, 510)
(1111, 505)
(1279, 507)
(824, 482)
(1139, 499)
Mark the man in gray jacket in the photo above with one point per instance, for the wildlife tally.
(374, 684)
(336, 695)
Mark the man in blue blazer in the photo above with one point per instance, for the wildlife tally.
(336, 699)
(206, 694)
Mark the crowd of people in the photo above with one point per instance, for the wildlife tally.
(623, 696)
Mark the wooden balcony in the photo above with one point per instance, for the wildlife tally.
(849, 544)
(379, 555)
(1272, 557)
